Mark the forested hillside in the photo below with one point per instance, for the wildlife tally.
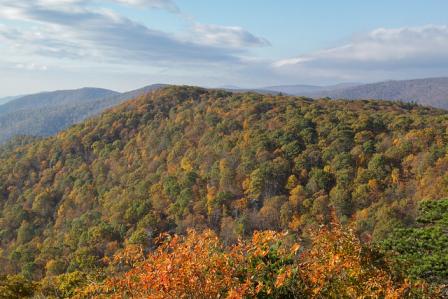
(47, 113)
(183, 158)
(428, 92)
(54, 98)
(309, 90)
(7, 99)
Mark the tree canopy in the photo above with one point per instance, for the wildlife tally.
(183, 158)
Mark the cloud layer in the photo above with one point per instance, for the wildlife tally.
(226, 36)
(382, 50)
(162, 4)
(74, 30)
(79, 36)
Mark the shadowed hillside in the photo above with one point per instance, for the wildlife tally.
(47, 113)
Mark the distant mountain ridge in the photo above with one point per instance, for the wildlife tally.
(8, 99)
(307, 90)
(427, 92)
(54, 98)
(47, 113)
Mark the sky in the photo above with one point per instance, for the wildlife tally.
(127, 44)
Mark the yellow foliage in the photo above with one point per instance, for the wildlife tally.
(292, 182)
(186, 164)
(246, 184)
(211, 196)
(295, 223)
(395, 176)
(373, 184)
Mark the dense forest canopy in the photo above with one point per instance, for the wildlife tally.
(183, 158)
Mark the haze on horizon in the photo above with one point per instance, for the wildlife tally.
(126, 44)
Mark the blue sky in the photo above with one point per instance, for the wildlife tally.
(125, 44)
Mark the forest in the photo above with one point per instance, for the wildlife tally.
(187, 192)
(48, 113)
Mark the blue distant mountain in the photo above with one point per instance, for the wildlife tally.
(8, 99)
(427, 92)
(47, 113)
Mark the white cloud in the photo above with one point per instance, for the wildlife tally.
(77, 31)
(73, 29)
(85, 40)
(422, 47)
(32, 67)
(161, 4)
(228, 36)
(381, 54)
(82, 34)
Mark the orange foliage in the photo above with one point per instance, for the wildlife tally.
(337, 263)
(190, 267)
(269, 265)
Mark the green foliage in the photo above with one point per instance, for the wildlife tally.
(186, 157)
(16, 286)
(63, 286)
(422, 250)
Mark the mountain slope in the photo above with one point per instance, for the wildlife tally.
(111, 101)
(56, 98)
(185, 157)
(428, 92)
(431, 92)
(308, 90)
(47, 113)
(8, 99)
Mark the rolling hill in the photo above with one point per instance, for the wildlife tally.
(427, 92)
(47, 113)
(8, 99)
(181, 158)
(308, 90)
(56, 98)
